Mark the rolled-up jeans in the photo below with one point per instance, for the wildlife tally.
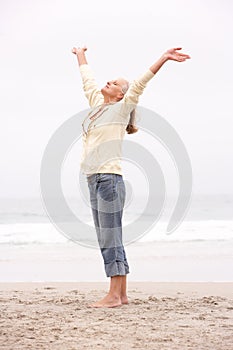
(107, 197)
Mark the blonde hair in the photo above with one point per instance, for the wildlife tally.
(131, 127)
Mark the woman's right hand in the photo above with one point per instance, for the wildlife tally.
(78, 50)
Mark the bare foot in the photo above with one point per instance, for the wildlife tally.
(124, 300)
(108, 301)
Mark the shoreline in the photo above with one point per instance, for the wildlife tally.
(162, 262)
(146, 287)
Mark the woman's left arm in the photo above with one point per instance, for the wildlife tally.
(138, 85)
(169, 55)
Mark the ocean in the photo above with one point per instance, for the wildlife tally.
(200, 249)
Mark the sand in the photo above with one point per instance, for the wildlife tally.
(159, 316)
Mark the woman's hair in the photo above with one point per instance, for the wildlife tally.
(131, 127)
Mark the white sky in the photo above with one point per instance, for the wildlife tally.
(41, 86)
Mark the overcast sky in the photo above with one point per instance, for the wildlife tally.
(41, 86)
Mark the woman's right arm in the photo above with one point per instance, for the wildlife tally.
(90, 86)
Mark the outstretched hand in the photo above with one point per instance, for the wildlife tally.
(173, 55)
(76, 50)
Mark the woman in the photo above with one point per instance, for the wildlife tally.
(104, 128)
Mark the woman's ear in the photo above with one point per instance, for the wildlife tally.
(120, 96)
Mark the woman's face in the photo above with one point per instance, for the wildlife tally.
(113, 88)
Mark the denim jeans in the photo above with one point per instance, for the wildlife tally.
(107, 197)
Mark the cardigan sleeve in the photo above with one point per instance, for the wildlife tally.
(137, 86)
(91, 90)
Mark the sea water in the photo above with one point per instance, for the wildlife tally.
(200, 249)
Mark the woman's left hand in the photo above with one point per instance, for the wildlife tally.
(173, 55)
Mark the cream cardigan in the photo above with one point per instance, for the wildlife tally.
(102, 141)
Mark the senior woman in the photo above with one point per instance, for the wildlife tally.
(112, 114)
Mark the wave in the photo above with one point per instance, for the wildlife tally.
(192, 231)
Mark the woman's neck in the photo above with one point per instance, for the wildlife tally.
(108, 101)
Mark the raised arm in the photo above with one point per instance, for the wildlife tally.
(169, 55)
(138, 85)
(90, 87)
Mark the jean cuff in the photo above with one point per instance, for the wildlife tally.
(116, 268)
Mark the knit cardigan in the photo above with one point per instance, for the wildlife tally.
(102, 140)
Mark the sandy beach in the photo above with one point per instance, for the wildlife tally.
(159, 316)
